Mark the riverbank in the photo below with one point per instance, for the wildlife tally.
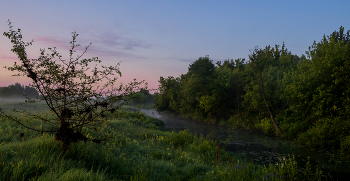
(259, 148)
(137, 149)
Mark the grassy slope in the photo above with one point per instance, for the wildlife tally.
(136, 150)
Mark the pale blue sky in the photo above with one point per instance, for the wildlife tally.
(161, 38)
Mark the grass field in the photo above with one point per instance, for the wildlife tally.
(138, 148)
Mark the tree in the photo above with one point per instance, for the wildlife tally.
(318, 88)
(5, 92)
(196, 83)
(167, 98)
(30, 92)
(260, 60)
(142, 97)
(224, 99)
(76, 96)
(318, 95)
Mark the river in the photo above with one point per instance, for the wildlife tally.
(259, 148)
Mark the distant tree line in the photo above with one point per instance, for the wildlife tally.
(305, 98)
(142, 97)
(18, 91)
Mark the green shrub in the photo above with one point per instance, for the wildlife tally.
(202, 145)
(345, 145)
(156, 121)
(235, 121)
(326, 133)
(180, 139)
(291, 130)
(266, 126)
(311, 138)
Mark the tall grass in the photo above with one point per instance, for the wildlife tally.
(137, 149)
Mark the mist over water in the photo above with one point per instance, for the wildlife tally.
(260, 148)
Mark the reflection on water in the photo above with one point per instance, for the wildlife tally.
(260, 148)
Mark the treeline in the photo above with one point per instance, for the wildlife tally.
(142, 97)
(305, 98)
(18, 91)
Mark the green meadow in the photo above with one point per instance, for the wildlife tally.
(138, 148)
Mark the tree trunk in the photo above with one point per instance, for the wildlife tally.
(272, 118)
(267, 105)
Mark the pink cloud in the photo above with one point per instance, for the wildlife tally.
(8, 58)
(107, 48)
(53, 42)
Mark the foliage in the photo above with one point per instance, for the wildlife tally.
(317, 91)
(133, 151)
(306, 98)
(266, 126)
(345, 144)
(142, 97)
(264, 86)
(205, 91)
(225, 95)
(194, 85)
(167, 97)
(180, 139)
(77, 94)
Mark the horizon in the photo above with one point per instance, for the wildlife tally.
(157, 38)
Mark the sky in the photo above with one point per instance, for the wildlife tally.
(153, 38)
